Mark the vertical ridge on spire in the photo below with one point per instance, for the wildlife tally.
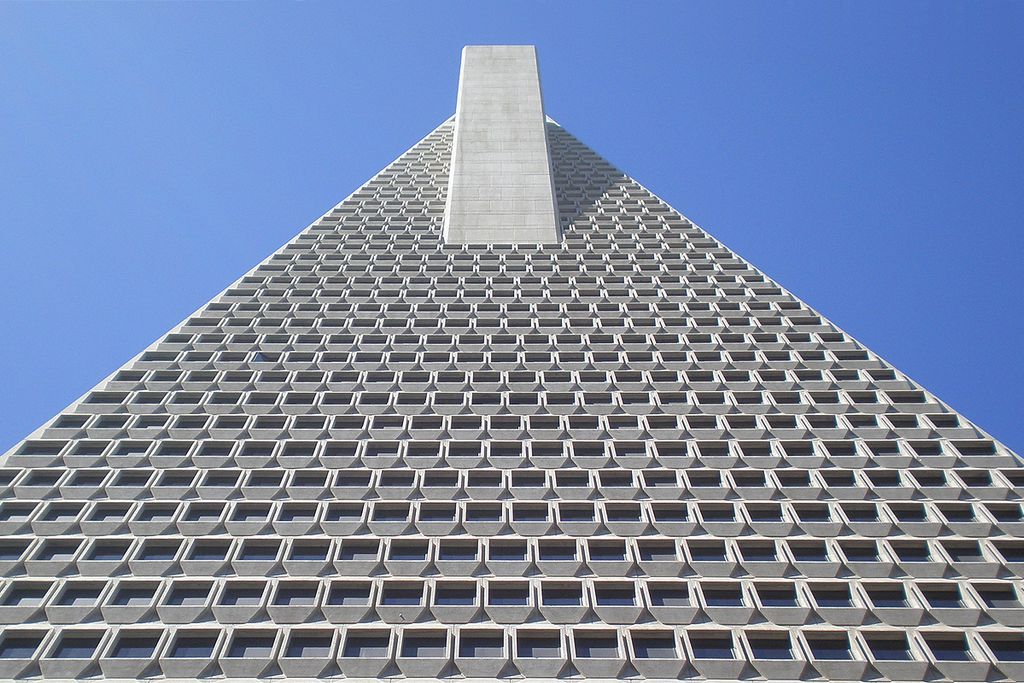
(500, 189)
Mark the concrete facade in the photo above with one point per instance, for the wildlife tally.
(500, 189)
(625, 455)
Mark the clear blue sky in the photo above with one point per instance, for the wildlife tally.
(869, 156)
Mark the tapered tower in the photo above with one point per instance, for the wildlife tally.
(501, 413)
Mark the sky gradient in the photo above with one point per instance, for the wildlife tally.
(868, 156)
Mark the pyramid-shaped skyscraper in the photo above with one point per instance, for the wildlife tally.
(504, 413)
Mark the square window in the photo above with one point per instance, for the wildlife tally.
(943, 596)
(312, 646)
(809, 552)
(952, 648)
(367, 645)
(401, 595)
(889, 647)
(135, 647)
(655, 646)
(654, 551)
(79, 595)
(860, 552)
(596, 645)
(538, 645)
(723, 596)
(770, 647)
(24, 596)
(998, 596)
(349, 594)
(251, 645)
(567, 596)
(557, 551)
(615, 595)
(508, 595)
(482, 645)
(19, 646)
(912, 552)
(712, 646)
(188, 595)
(606, 552)
(128, 596)
(238, 596)
(887, 595)
(832, 595)
(1006, 649)
(194, 646)
(427, 645)
(777, 596)
(829, 647)
(965, 552)
(707, 552)
(457, 594)
(669, 595)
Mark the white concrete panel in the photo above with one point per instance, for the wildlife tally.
(500, 189)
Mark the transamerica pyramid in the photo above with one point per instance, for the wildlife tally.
(504, 413)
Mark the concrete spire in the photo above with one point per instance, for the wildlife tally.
(500, 189)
